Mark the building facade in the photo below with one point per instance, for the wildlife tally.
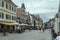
(35, 20)
(50, 24)
(57, 23)
(57, 20)
(23, 16)
(27, 18)
(7, 14)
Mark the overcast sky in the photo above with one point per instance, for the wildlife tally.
(46, 8)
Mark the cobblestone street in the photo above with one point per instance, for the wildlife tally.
(28, 35)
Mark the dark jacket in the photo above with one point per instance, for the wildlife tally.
(54, 35)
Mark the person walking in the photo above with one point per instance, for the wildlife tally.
(40, 28)
(18, 29)
(58, 37)
(43, 29)
(54, 34)
(4, 33)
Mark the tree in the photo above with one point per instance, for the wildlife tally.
(34, 24)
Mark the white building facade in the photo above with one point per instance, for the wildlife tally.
(57, 21)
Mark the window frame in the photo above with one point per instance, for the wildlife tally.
(8, 16)
(2, 3)
(12, 8)
(9, 7)
(13, 18)
(6, 6)
(1, 15)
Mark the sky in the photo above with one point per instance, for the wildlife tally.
(46, 8)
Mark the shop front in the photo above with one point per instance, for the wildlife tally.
(30, 26)
(23, 27)
(9, 27)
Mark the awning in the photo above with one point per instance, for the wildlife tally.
(29, 25)
(37, 25)
(23, 24)
(6, 23)
(16, 23)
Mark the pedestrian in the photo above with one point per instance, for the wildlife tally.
(58, 37)
(4, 33)
(40, 28)
(43, 29)
(54, 34)
(18, 29)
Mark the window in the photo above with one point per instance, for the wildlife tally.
(12, 8)
(17, 20)
(13, 18)
(8, 16)
(1, 15)
(59, 26)
(6, 6)
(2, 4)
(9, 7)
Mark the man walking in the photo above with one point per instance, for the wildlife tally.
(4, 33)
(54, 34)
